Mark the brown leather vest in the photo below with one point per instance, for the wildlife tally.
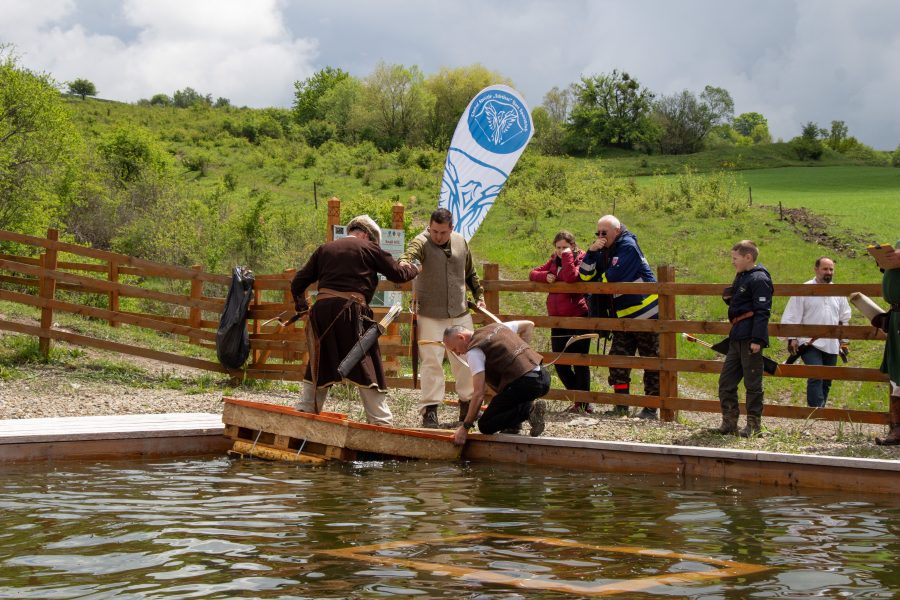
(441, 286)
(507, 356)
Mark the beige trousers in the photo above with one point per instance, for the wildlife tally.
(431, 370)
(374, 403)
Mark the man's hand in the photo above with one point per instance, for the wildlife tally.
(754, 347)
(459, 438)
(300, 304)
(551, 277)
(793, 346)
(481, 304)
(599, 244)
(844, 351)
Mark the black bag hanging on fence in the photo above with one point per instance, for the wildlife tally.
(232, 338)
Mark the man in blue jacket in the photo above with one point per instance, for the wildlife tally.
(749, 301)
(616, 257)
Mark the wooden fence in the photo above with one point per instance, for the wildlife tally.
(194, 315)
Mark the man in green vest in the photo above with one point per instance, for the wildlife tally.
(440, 297)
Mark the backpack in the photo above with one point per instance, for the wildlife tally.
(232, 338)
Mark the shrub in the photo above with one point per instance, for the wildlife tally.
(706, 195)
(198, 163)
(424, 160)
(895, 157)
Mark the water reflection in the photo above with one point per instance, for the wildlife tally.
(217, 528)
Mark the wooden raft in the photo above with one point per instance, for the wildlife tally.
(276, 432)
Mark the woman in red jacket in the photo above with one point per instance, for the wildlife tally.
(563, 267)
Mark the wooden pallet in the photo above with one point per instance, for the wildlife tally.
(281, 433)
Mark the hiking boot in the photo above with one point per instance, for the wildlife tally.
(753, 427)
(463, 410)
(893, 436)
(430, 418)
(648, 414)
(580, 408)
(536, 418)
(729, 425)
(619, 411)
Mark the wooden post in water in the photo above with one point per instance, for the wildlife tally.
(48, 290)
(196, 316)
(492, 297)
(113, 276)
(668, 343)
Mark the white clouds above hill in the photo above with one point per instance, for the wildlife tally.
(792, 60)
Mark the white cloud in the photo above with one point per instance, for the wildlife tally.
(239, 50)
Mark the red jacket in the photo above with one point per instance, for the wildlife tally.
(566, 270)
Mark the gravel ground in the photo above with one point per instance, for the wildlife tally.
(56, 391)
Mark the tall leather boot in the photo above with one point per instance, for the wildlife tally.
(620, 410)
(430, 418)
(893, 436)
(463, 410)
(729, 424)
(754, 427)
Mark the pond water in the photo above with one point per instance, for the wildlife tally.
(216, 528)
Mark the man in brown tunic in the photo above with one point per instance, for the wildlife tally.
(499, 355)
(347, 271)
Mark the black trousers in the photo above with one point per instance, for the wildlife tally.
(572, 377)
(511, 406)
(740, 363)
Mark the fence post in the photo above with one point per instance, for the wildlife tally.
(334, 217)
(196, 316)
(668, 343)
(48, 290)
(114, 295)
(492, 298)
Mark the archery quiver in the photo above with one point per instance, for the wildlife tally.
(232, 337)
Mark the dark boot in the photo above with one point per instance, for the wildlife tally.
(753, 428)
(620, 410)
(729, 425)
(430, 418)
(893, 436)
(463, 410)
(648, 414)
(536, 418)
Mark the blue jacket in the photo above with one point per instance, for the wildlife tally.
(623, 261)
(751, 291)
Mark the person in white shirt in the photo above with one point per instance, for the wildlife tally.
(818, 310)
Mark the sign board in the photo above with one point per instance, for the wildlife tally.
(393, 241)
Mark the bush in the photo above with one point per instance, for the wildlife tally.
(706, 195)
(198, 163)
(806, 148)
(424, 160)
(895, 157)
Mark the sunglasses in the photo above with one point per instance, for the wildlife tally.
(601, 233)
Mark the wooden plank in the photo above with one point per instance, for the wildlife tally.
(66, 429)
(148, 322)
(692, 463)
(678, 289)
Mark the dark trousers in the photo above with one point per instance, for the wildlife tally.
(511, 406)
(817, 389)
(627, 343)
(572, 377)
(740, 363)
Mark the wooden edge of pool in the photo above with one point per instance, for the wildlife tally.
(185, 434)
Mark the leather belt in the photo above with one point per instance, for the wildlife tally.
(740, 318)
(325, 293)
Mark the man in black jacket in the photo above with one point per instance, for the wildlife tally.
(749, 302)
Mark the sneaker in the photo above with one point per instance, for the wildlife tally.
(648, 414)
(536, 418)
(619, 411)
(430, 418)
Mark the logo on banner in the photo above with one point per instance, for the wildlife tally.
(499, 122)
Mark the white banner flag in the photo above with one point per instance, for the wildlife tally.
(490, 137)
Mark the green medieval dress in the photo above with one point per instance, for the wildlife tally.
(890, 289)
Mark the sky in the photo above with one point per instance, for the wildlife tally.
(791, 60)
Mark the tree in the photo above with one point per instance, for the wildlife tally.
(808, 144)
(160, 100)
(394, 106)
(745, 122)
(310, 91)
(895, 157)
(610, 110)
(452, 90)
(37, 146)
(189, 97)
(550, 120)
(82, 87)
(685, 120)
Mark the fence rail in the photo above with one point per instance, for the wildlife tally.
(34, 281)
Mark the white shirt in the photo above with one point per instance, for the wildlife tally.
(475, 357)
(817, 310)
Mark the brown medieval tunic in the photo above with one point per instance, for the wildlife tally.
(345, 265)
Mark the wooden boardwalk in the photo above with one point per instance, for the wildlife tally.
(114, 436)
